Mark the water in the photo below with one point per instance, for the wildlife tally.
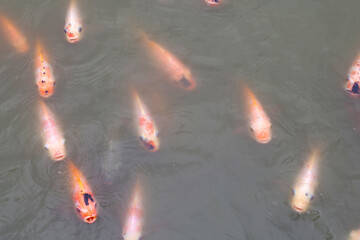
(209, 180)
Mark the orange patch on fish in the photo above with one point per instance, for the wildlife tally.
(83, 197)
(52, 134)
(13, 35)
(176, 71)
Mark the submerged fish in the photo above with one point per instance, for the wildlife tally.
(83, 197)
(52, 135)
(259, 122)
(354, 235)
(304, 189)
(212, 3)
(44, 77)
(147, 130)
(13, 35)
(73, 24)
(176, 71)
(352, 86)
(135, 217)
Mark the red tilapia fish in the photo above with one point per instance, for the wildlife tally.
(52, 135)
(13, 35)
(259, 122)
(135, 217)
(73, 24)
(176, 71)
(304, 188)
(83, 197)
(212, 3)
(352, 86)
(44, 77)
(147, 130)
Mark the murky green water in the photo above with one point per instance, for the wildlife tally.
(209, 180)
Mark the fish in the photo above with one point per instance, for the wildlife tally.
(147, 130)
(83, 197)
(352, 86)
(212, 3)
(305, 184)
(73, 24)
(259, 122)
(52, 135)
(135, 217)
(13, 35)
(44, 77)
(354, 235)
(177, 72)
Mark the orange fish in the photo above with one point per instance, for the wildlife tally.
(354, 235)
(17, 40)
(147, 130)
(73, 24)
(177, 72)
(260, 125)
(212, 3)
(135, 217)
(44, 77)
(52, 135)
(304, 189)
(84, 201)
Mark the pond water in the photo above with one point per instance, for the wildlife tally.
(209, 179)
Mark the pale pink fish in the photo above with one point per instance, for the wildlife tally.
(135, 217)
(304, 189)
(73, 24)
(52, 135)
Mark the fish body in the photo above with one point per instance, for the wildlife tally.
(304, 188)
(135, 217)
(259, 122)
(352, 86)
(83, 198)
(177, 72)
(147, 130)
(354, 235)
(13, 35)
(73, 24)
(44, 77)
(52, 134)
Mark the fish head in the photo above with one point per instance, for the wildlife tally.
(186, 81)
(73, 32)
(86, 205)
(57, 151)
(261, 131)
(212, 3)
(150, 143)
(352, 87)
(132, 235)
(302, 196)
(354, 235)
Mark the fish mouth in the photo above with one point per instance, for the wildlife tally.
(73, 40)
(297, 209)
(263, 140)
(90, 219)
(59, 157)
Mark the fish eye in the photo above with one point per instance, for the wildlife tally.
(78, 210)
(80, 29)
(312, 197)
(42, 81)
(65, 30)
(306, 194)
(157, 134)
(46, 91)
(141, 138)
(293, 191)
